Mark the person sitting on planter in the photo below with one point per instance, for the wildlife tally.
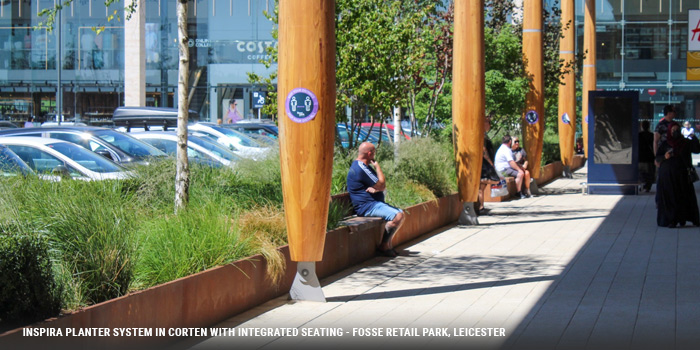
(506, 166)
(520, 157)
(366, 184)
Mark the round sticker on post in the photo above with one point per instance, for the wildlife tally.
(586, 118)
(301, 105)
(532, 117)
(565, 118)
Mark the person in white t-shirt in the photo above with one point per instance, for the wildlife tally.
(687, 130)
(506, 165)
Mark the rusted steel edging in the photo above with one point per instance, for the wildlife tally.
(212, 296)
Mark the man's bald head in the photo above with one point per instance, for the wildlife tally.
(365, 148)
(366, 151)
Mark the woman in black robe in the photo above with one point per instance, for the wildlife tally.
(676, 200)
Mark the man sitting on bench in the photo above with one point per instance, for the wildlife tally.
(505, 164)
(366, 184)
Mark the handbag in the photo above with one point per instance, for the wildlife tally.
(693, 174)
(499, 190)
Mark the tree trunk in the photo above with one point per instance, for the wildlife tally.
(182, 176)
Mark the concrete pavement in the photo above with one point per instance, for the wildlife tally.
(561, 270)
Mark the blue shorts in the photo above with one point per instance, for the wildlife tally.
(383, 210)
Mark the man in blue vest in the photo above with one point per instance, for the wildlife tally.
(366, 184)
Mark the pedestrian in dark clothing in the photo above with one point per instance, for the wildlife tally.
(676, 201)
(647, 169)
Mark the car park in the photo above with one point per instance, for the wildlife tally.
(116, 146)
(266, 134)
(198, 149)
(147, 118)
(262, 129)
(238, 142)
(343, 134)
(4, 124)
(11, 164)
(51, 157)
(387, 131)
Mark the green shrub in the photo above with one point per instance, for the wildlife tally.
(404, 193)
(426, 162)
(341, 163)
(28, 289)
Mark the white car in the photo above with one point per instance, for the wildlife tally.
(238, 142)
(11, 165)
(50, 157)
(198, 148)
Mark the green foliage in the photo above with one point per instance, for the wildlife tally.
(506, 81)
(404, 193)
(337, 211)
(179, 245)
(424, 161)
(28, 289)
(550, 147)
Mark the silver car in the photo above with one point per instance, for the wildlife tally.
(49, 157)
(198, 149)
(238, 142)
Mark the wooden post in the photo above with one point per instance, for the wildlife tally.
(468, 96)
(306, 113)
(589, 70)
(533, 116)
(567, 91)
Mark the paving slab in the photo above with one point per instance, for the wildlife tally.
(563, 270)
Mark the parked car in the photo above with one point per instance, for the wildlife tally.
(266, 134)
(11, 164)
(48, 156)
(263, 129)
(116, 146)
(343, 133)
(198, 149)
(385, 128)
(238, 142)
(145, 118)
(4, 124)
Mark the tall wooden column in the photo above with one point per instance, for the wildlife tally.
(306, 112)
(567, 91)
(468, 98)
(533, 118)
(589, 71)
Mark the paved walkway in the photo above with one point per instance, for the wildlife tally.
(562, 270)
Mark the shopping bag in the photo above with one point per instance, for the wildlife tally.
(500, 189)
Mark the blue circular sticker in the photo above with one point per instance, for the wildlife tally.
(565, 118)
(532, 117)
(301, 105)
(586, 118)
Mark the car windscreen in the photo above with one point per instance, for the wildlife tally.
(215, 148)
(10, 164)
(246, 141)
(90, 160)
(129, 145)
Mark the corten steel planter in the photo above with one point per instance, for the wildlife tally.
(212, 296)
